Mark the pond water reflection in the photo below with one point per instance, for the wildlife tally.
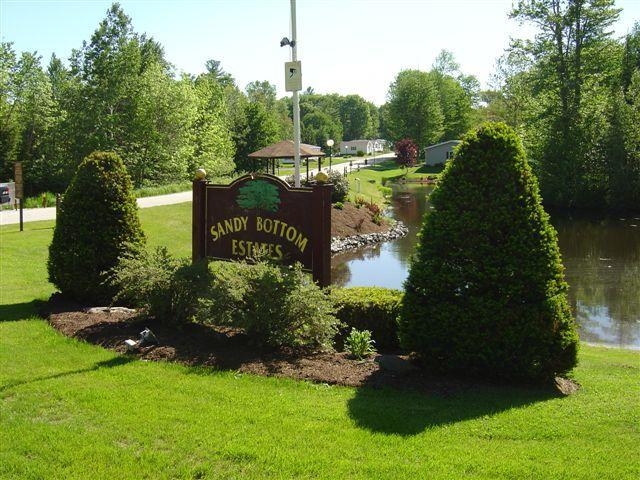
(601, 257)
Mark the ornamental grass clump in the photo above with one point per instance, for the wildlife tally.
(486, 294)
(96, 224)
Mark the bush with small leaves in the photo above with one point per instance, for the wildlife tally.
(96, 224)
(166, 287)
(486, 294)
(339, 181)
(275, 305)
(360, 344)
(340, 186)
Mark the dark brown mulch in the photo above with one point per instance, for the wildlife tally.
(222, 348)
(228, 349)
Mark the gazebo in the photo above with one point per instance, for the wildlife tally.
(283, 150)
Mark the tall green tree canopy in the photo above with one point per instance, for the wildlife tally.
(572, 48)
(413, 110)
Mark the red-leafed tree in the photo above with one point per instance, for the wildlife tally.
(406, 153)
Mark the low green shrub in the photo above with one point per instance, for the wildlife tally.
(152, 190)
(46, 199)
(275, 305)
(386, 191)
(360, 343)
(166, 287)
(340, 186)
(360, 153)
(370, 308)
(338, 205)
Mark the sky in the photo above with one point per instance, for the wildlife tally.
(345, 46)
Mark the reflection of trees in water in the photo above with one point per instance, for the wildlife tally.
(601, 256)
(602, 259)
(340, 273)
(409, 203)
(596, 325)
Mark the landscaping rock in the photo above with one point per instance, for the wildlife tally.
(353, 242)
(395, 363)
(110, 310)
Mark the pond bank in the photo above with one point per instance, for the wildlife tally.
(354, 242)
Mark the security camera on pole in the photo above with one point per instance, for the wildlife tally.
(293, 83)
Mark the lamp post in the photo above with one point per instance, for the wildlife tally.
(330, 145)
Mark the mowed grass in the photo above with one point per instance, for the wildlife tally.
(70, 410)
(366, 182)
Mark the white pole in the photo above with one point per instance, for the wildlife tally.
(296, 100)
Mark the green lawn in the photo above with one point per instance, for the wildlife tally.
(336, 162)
(368, 181)
(70, 410)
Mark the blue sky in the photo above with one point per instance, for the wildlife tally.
(346, 46)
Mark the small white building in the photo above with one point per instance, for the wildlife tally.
(369, 147)
(439, 153)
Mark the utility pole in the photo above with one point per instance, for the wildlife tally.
(296, 100)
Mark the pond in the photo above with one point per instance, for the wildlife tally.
(601, 257)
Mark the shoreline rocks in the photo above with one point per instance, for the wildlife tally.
(339, 245)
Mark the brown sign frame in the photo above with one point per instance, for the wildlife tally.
(262, 214)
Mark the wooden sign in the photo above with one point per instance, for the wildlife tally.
(262, 216)
(17, 173)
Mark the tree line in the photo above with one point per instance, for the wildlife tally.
(572, 93)
(119, 93)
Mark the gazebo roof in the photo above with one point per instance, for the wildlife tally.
(284, 149)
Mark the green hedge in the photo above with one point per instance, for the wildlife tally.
(370, 308)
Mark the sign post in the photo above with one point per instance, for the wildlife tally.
(19, 188)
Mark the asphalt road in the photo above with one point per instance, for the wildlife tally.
(8, 217)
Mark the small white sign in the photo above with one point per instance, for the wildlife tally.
(293, 76)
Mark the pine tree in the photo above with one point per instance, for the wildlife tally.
(97, 223)
(486, 294)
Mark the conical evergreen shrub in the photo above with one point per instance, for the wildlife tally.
(486, 295)
(96, 223)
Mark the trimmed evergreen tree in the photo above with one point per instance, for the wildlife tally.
(96, 223)
(486, 294)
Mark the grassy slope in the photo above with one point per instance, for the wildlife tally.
(72, 410)
(373, 177)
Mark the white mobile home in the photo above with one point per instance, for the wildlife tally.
(352, 147)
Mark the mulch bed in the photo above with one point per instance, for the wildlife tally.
(229, 349)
